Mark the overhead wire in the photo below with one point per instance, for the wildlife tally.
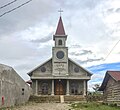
(111, 50)
(15, 8)
(8, 4)
(29, 2)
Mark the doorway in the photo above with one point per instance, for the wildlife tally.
(60, 87)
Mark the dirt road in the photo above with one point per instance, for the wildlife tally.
(42, 106)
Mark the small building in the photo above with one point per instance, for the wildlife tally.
(111, 87)
(60, 75)
(13, 89)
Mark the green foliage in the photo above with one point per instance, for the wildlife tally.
(92, 106)
(94, 96)
(6, 108)
(96, 87)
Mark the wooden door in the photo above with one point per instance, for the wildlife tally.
(59, 89)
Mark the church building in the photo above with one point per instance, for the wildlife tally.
(59, 75)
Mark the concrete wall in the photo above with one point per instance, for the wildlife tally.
(13, 88)
(72, 67)
(47, 65)
(39, 87)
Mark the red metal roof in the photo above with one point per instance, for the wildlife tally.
(29, 81)
(60, 28)
(115, 75)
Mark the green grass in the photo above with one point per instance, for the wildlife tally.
(92, 106)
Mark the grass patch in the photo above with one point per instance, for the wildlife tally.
(16, 106)
(92, 106)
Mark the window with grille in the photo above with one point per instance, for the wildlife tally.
(44, 88)
(74, 88)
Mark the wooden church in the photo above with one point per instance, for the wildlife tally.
(59, 75)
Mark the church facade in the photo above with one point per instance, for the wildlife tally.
(59, 75)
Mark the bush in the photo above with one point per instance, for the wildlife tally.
(93, 106)
(94, 97)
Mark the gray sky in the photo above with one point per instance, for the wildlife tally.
(92, 26)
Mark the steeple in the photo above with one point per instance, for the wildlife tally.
(60, 28)
(60, 32)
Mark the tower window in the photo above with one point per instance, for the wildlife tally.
(60, 42)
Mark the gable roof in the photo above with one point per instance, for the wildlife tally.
(30, 73)
(80, 66)
(60, 28)
(113, 74)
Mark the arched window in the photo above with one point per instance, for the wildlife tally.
(44, 88)
(60, 42)
(74, 88)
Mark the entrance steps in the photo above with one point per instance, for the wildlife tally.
(44, 98)
(57, 98)
(75, 98)
(61, 98)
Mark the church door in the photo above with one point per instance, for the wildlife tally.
(59, 88)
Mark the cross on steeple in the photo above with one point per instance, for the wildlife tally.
(60, 11)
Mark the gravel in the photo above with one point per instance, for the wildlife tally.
(42, 106)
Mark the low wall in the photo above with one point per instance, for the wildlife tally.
(13, 89)
(56, 98)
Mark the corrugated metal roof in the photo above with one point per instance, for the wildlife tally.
(114, 74)
(29, 81)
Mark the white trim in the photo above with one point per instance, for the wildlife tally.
(58, 77)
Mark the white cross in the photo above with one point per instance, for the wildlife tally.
(60, 11)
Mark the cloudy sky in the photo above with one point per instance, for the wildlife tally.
(92, 26)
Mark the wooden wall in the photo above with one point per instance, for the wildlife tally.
(112, 91)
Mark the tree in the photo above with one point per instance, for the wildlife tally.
(96, 87)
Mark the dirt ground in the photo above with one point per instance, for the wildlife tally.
(42, 106)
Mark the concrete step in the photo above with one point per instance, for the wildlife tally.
(73, 98)
(44, 98)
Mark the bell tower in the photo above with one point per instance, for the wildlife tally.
(60, 51)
